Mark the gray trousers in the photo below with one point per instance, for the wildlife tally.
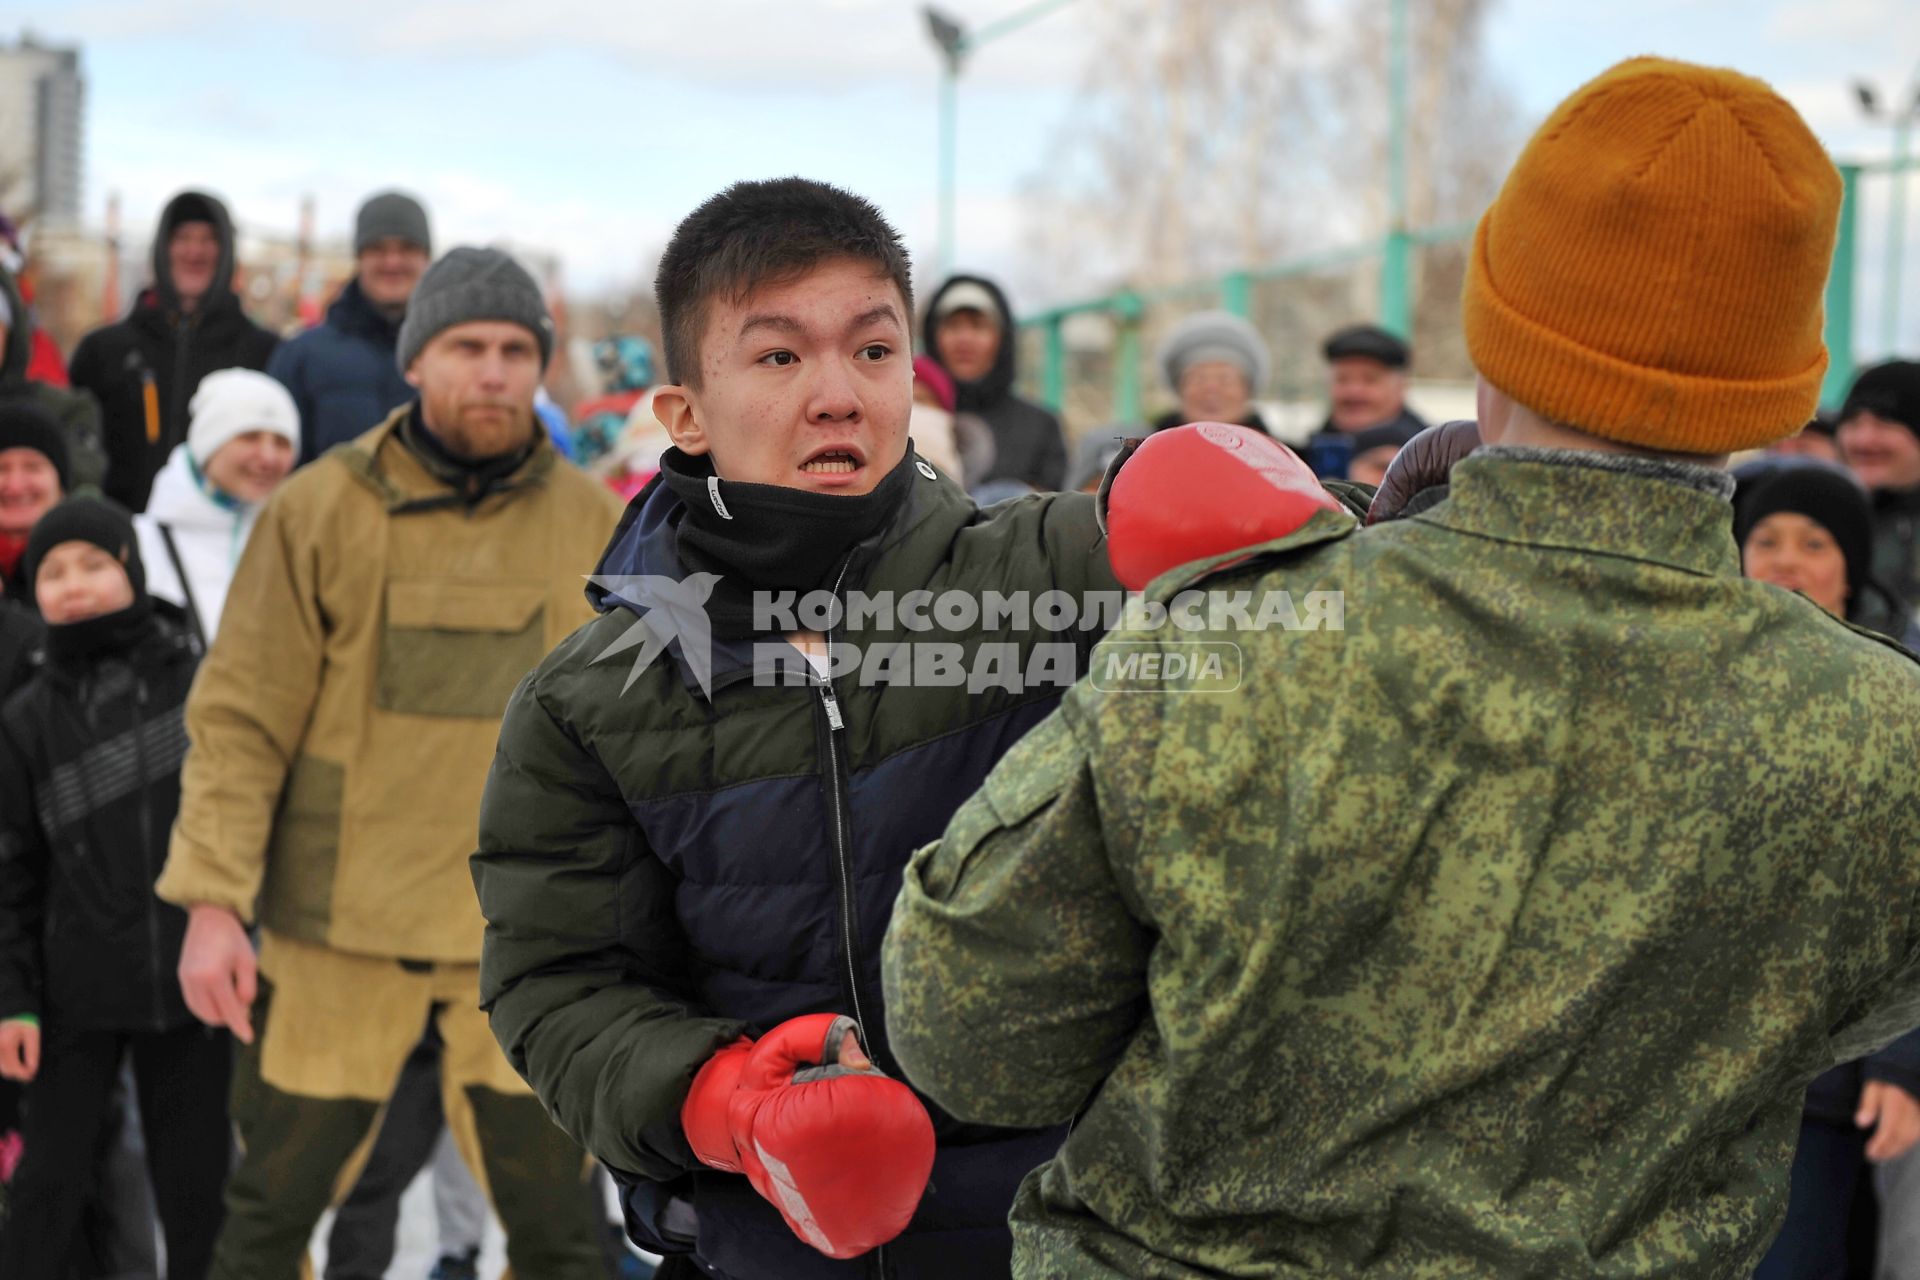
(1898, 1183)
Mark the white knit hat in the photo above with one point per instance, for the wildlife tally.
(232, 402)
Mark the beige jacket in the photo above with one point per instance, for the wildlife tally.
(344, 719)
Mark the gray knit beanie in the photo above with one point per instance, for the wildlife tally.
(474, 284)
(1215, 335)
(391, 213)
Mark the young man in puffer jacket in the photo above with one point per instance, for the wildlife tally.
(676, 854)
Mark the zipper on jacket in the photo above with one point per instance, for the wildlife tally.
(837, 798)
(880, 1268)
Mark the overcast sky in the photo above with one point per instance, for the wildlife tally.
(588, 128)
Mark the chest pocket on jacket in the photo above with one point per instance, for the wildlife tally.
(458, 649)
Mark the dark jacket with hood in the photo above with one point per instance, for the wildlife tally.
(663, 868)
(1896, 539)
(1027, 442)
(77, 412)
(145, 369)
(90, 754)
(1329, 450)
(21, 632)
(342, 373)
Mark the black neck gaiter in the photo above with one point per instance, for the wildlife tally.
(76, 644)
(472, 478)
(767, 537)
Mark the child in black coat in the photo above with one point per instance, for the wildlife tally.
(90, 753)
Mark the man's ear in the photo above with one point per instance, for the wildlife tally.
(675, 410)
(412, 375)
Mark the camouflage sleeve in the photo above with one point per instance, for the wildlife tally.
(1015, 966)
(1896, 1012)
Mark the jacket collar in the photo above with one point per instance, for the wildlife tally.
(184, 498)
(1896, 501)
(1667, 513)
(382, 462)
(641, 559)
(352, 313)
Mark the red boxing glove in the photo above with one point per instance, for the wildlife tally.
(1196, 491)
(843, 1154)
(703, 1116)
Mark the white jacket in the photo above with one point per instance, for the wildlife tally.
(209, 533)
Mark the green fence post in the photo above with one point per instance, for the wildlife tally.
(1839, 333)
(1396, 294)
(1236, 293)
(1053, 388)
(1126, 357)
(1396, 307)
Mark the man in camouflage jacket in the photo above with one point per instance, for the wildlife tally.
(1499, 933)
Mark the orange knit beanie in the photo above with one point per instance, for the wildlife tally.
(1652, 270)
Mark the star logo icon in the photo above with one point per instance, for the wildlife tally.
(676, 609)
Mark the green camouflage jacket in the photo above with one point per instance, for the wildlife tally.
(1495, 934)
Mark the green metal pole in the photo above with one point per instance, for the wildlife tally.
(1840, 293)
(1126, 357)
(1896, 232)
(1236, 293)
(949, 82)
(1053, 388)
(1396, 300)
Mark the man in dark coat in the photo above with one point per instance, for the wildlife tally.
(969, 330)
(1879, 438)
(144, 369)
(1366, 388)
(342, 373)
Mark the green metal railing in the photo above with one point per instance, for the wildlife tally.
(1393, 251)
(1231, 292)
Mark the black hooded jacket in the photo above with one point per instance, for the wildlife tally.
(76, 411)
(90, 759)
(21, 634)
(1027, 443)
(160, 346)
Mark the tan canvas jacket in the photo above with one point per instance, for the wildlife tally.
(344, 719)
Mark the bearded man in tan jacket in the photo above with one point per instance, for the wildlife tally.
(392, 595)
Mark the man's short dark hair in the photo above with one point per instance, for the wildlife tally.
(758, 233)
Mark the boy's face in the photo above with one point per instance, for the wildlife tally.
(78, 580)
(807, 383)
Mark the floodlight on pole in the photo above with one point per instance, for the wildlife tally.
(955, 42)
(951, 39)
